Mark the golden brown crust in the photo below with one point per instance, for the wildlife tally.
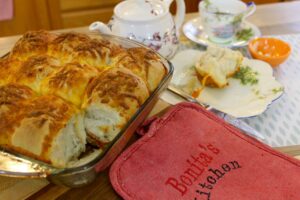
(144, 63)
(36, 69)
(13, 98)
(53, 109)
(69, 82)
(95, 48)
(71, 38)
(93, 53)
(12, 94)
(63, 46)
(119, 88)
(32, 43)
(76, 47)
(8, 68)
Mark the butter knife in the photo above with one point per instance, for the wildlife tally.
(230, 119)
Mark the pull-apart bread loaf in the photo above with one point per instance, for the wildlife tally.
(60, 91)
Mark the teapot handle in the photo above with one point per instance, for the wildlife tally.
(180, 12)
(251, 9)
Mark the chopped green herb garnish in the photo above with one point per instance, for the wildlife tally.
(244, 34)
(246, 75)
(276, 90)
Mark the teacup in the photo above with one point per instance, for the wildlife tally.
(221, 19)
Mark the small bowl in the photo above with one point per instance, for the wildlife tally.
(270, 50)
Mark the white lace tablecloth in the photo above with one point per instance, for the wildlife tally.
(280, 123)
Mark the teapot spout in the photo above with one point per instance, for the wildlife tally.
(100, 27)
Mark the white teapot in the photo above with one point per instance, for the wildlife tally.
(146, 21)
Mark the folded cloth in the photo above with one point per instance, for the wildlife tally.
(189, 153)
(6, 9)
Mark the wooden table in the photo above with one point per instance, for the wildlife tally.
(279, 18)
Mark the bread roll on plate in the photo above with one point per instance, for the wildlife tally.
(111, 100)
(216, 65)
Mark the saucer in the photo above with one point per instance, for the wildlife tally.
(193, 30)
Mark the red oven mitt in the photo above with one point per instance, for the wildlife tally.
(191, 154)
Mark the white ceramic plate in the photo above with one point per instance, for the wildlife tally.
(193, 30)
(235, 99)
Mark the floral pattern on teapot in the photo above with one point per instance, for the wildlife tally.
(158, 40)
(148, 22)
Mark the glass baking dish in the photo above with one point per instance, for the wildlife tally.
(17, 165)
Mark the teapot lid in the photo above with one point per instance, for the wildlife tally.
(140, 10)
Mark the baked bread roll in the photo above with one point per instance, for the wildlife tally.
(76, 47)
(144, 63)
(32, 43)
(111, 100)
(12, 97)
(34, 70)
(218, 64)
(69, 82)
(45, 128)
(12, 100)
(63, 46)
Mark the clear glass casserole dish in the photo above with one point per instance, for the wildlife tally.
(17, 165)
